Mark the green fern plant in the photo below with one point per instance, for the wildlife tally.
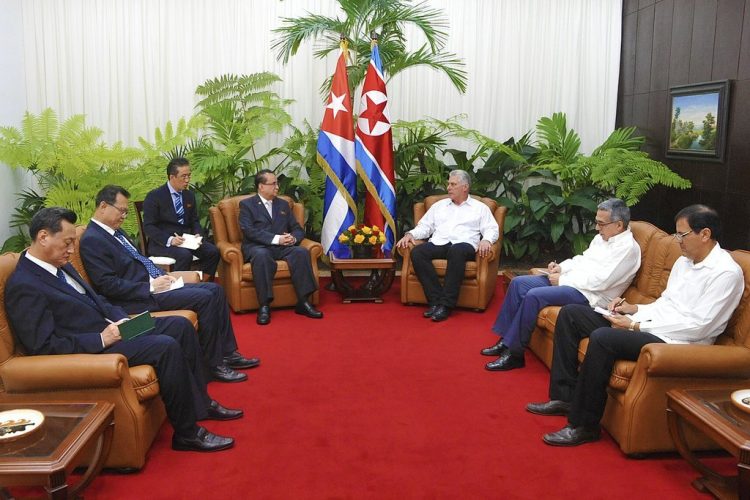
(238, 111)
(69, 160)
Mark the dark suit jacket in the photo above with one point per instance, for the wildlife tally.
(258, 228)
(51, 317)
(160, 218)
(114, 272)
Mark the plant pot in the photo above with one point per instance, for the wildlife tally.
(362, 252)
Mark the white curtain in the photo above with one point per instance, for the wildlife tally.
(131, 65)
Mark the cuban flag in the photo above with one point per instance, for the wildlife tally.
(374, 152)
(336, 158)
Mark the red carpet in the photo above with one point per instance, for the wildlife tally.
(376, 402)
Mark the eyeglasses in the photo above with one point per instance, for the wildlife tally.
(123, 211)
(271, 183)
(184, 177)
(681, 236)
(603, 224)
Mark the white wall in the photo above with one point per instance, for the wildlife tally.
(12, 103)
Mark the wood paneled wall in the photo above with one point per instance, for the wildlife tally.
(677, 42)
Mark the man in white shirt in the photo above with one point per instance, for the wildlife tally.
(703, 290)
(593, 278)
(460, 228)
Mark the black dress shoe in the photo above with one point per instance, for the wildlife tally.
(441, 313)
(572, 436)
(430, 311)
(202, 441)
(223, 373)
(217, 412)
(307, 309)
(237, 361)
(553, 407)
(506, 361)
(495, 350)
(264, 315)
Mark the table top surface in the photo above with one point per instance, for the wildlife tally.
(713, 408)
(66, 429)
(384, 263)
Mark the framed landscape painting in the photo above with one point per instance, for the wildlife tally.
(698, 121)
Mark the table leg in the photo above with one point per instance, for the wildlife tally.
(676, 430)
(743, 479)
(101, 452)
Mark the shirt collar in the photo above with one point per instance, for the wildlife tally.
(711, 260)
(104, 226)
(172, 190)
(264, 200)
(619, 236)
(44, 265)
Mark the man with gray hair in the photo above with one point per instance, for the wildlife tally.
(594, 278)
(460, 228)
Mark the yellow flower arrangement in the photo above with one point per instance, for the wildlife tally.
(362, 235)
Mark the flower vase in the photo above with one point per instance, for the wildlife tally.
(361, 252)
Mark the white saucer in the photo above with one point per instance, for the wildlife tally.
(27, 420)
(738, 396)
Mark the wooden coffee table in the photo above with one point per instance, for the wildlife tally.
(712, 413)
(371, 289)
(71, 432)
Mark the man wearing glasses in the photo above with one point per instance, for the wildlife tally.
(592, 279)
(704, 288)
(131, 281)
(270, 233)
(169, 212)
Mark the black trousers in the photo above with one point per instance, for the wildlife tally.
(263, 261)
(215, 332)
(457, 255)
(207, 253)
(586, 389)
(172, 349)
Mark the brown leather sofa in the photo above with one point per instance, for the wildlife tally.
(635, 415)
(236, 275)
(134, 390)
(480, 275)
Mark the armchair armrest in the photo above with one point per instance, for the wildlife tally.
(63, 372)
(696, 361)
(315, 248)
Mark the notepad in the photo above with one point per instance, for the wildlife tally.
(138, 325)
(192, 241)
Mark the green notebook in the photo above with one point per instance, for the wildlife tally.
(138, 325)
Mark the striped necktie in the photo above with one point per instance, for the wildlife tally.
(179, 208)
(61, 277)
(153, 271)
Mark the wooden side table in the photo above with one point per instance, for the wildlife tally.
(381, 271)
(712, 413)
(46, 457)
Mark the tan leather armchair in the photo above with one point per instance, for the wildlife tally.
(134, 390)
(635, 415)
(480, 276)
(139, 411)
(236, 275)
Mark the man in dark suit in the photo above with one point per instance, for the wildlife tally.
(270, 232)
(131, 281)
(52, 310)
(169, 212)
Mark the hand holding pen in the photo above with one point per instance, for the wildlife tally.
(621, 306)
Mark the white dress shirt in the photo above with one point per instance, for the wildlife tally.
(698, 301)
(269, 208)
(605, 269)
(451, 223)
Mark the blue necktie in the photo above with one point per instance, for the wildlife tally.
(61, 277)
(153, 271)
(179, 208)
